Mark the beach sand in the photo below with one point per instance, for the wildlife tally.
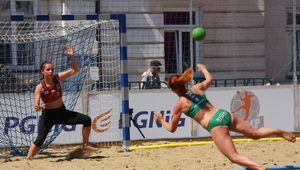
(206, 157)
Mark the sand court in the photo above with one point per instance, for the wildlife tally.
(206, 157)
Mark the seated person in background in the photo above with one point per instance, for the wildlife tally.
(150, 77)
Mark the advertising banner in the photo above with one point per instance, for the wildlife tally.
(260, 106)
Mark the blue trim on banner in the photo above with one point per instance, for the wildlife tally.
(124, 79)
(120, 17)
(16, 17)
(42, 17)
(123, 53)
(67, 17)
(92, 17)
(122, 21)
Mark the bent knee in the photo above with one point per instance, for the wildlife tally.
(87, 121)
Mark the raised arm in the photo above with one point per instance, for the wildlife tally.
(208, 78)
(74, 68)
(172, 126)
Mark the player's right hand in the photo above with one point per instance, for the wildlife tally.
(38, 107)
(201, 67)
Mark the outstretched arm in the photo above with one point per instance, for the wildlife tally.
(74, 69)
(208, 77)
(172, 126)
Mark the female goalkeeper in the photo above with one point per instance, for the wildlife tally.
(49, 90)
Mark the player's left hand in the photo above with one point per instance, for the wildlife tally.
(158, 117)
(69, 51)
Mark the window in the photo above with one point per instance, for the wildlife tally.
(290, 19)
(24, 7)
(97, 7)
(25, 54)
(171, 52)
(178, 18)
(5, 48)
(177, 41)
(25, 50)
(177, 51)
(5, 55)
(186, 54)
(4, 7)
(290, 40)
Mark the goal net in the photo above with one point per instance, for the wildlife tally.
(93, 90)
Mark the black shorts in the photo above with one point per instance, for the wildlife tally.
(60, 115)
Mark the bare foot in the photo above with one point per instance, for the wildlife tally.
(287, 136)
(262, 167)
(258, 167)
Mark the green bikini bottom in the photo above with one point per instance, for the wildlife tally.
(220, 118)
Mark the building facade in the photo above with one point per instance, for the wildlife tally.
(244, 39)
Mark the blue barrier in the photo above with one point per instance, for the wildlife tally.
(277, 167)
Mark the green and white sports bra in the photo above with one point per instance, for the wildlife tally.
(198, 101)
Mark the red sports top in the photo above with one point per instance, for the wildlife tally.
(50, 95)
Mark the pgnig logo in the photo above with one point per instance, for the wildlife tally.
(245, 105)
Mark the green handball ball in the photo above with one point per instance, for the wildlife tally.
(198, 34)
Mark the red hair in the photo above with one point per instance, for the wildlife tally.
(178, 83)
